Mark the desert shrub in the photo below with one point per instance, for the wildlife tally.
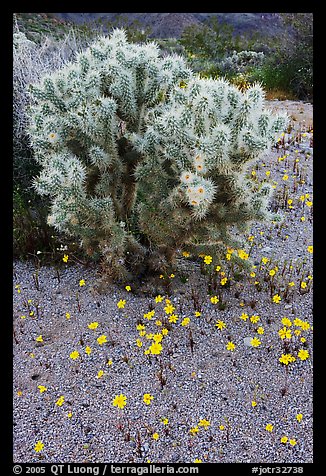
(289, 65)
(274, 75)
(170, 46)
(207, 46)
(212, 41)
(241, 62)
(31, 61)
(288, 54)
(289, 76)
(140, 157)
(237, 68)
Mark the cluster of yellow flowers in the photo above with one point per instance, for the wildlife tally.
(167, 316)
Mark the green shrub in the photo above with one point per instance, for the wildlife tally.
(289, 65)
(212, 41)
(288, 56)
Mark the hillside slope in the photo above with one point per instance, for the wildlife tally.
(167, 25)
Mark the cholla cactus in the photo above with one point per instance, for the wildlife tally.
(241, 62)
(140, 157)
(201, 143)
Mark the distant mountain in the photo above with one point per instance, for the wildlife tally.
(171, 25)
(266, 23)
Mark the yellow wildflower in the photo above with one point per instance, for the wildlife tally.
(38, 446)
(286, 359)
(243, 255)
(60, 401)
(254, 318)
(155, 348)
(285, 333)
(255, 342)
(299, 417)
(286, 322)
(157, 337)
(102, 339)
(93, 325)
(121, 304)
(120, 401)
(276, 298)
(173, 318)
(169, 309)
(230, 346)
(208, 259)
(42, 388)
(303, 354)
(244, 316)
(147, 398)
(194, 430)
(204, 423)
(74, 355)
(220, 325)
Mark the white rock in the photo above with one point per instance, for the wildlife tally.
(247, 341)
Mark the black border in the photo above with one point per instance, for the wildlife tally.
(6, 450)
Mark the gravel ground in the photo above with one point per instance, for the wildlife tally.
(195, 377)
